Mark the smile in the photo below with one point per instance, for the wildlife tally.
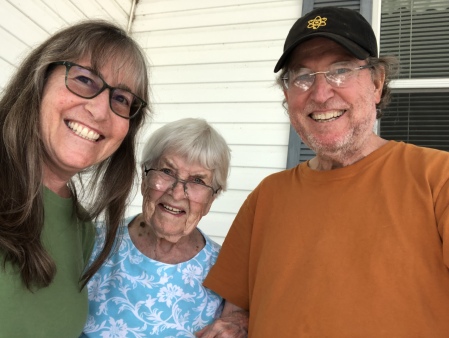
(327, 117)
(83, 131)
(172, 210)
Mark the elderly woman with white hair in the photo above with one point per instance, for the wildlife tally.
(152, 286)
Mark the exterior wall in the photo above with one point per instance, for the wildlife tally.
(26, 23)
(215, 59)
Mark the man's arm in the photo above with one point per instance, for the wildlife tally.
(233, 323)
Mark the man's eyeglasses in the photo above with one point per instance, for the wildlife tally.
(338, 75)
(194, 188)
(86, 84)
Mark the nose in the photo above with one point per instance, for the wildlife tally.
(321, 90)
(99, 106)
(178, 190)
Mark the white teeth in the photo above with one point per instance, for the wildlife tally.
(83, 131)
(328, 116)
(175, 210)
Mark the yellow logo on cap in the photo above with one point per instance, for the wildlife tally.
(317, 22)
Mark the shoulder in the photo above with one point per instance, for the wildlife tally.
(422, 156)
(210, 243)
(101, 229)
(275, 180)
(274, 185)
(212, 248)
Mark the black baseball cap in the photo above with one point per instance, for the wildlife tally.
(342, 25)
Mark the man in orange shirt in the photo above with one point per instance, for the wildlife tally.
(354, 242)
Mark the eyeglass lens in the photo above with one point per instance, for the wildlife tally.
(195, 192)
(87, 84)
(338, 76)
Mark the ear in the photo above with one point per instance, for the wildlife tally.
(285, 95)
(378, 81)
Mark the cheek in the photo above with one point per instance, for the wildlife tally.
(198, 210)
(121, 128)
(207, 207)
(150, 198)
(296, 103)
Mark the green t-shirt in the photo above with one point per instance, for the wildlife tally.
(59, 310)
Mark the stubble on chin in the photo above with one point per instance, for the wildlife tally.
(342, 146)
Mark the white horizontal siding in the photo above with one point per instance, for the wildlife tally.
(166, 6)
(260, 134)
(258, 31)
(214, 59)
(24, 24)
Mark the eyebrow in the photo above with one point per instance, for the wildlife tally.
(169, 164)
(343, 63)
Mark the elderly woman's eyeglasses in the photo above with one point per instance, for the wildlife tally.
(86, 84)
(194, 188)
(339, 75)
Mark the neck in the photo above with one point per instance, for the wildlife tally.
(56, 183)
(161, 249)
(342, 159)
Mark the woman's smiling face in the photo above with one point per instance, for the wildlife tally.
(77, 132)
(170, 213)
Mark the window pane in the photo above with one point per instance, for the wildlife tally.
(418, 118)
(416, 31)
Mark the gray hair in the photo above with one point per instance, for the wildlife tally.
(195, 140)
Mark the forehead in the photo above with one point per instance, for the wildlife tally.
(317, 49)
(181, 163)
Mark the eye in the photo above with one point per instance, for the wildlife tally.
(82, 77)
(85, 83)
(85, 80)
(303, 78)
(167, 171)
(341, 71)
(197, 180)
(122, 97)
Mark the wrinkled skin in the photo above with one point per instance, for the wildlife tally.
(171, 215)
(233, 323)
(345, 139)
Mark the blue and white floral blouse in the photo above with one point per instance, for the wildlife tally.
(135, 296)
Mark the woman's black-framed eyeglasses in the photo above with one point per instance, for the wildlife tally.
(84, 83)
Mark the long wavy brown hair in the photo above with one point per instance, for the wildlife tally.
(22, 153)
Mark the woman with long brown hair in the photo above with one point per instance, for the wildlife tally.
(74, 105)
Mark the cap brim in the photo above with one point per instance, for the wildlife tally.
(352, 47)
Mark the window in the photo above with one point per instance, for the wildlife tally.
(417, 33)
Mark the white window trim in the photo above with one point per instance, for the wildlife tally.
(410, 84)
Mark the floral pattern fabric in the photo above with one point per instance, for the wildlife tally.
(135, 296)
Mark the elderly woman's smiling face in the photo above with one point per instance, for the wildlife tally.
(171, 214)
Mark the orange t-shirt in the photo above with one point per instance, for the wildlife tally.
(360, 251)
